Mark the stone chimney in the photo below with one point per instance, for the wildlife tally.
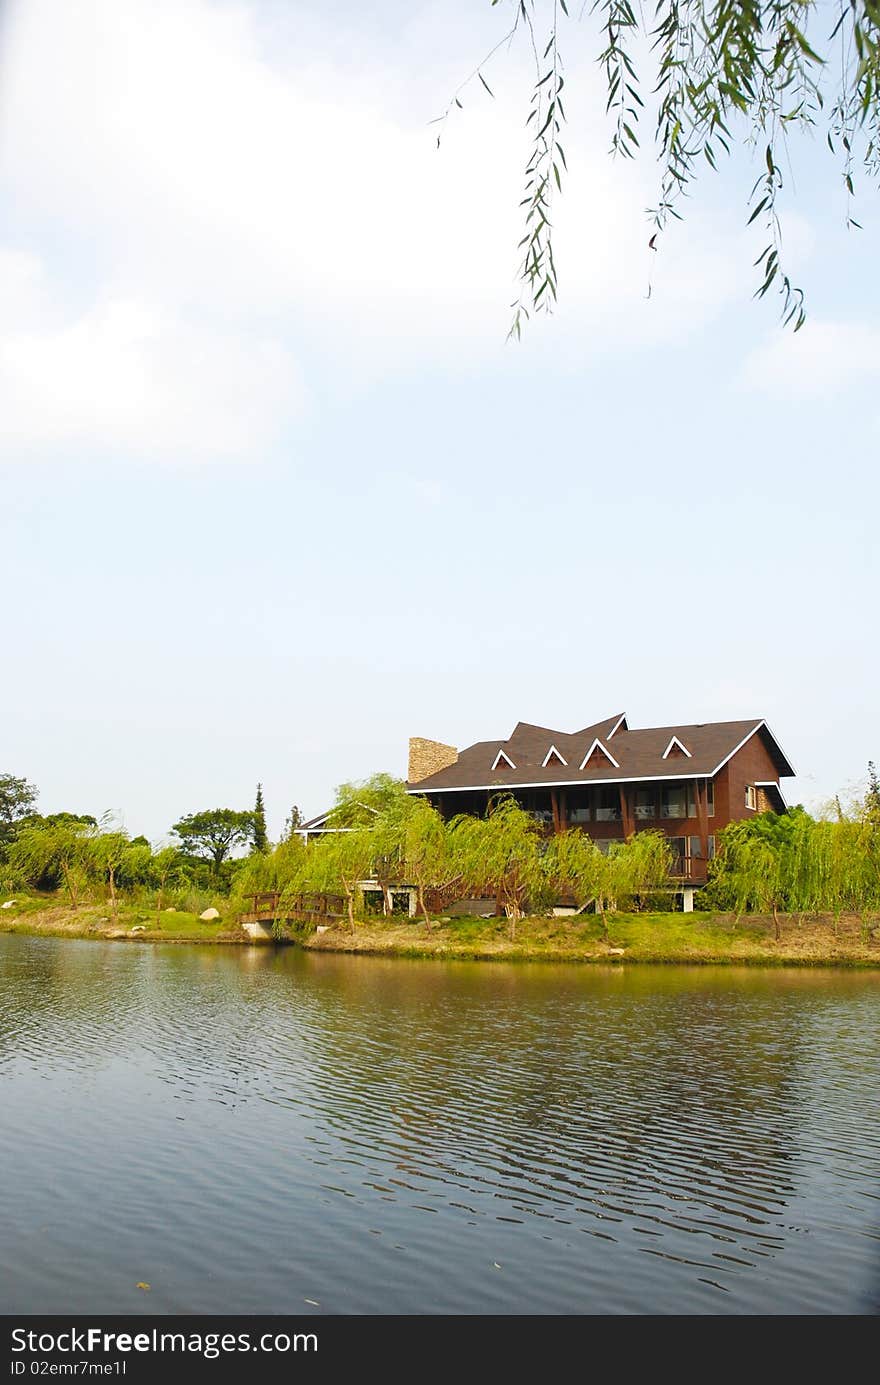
(428, 757)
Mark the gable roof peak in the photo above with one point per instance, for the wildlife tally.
(558, 753)
(676, 744)
(595, 747)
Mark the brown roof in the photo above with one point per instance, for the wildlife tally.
(639, 755)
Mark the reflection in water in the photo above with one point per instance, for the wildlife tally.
(249, 1129)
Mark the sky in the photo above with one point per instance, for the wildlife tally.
(276, 493)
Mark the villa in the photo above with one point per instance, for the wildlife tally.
(610, 781)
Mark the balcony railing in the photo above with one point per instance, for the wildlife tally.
(688, 868)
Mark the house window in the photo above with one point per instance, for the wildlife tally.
(577, 815)
(607, 805)
(751, 796)
(710, 795)
(678, 846)
(645, 805)
(674, 801)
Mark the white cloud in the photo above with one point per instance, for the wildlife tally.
(123, 377)
(246, 208)
(820, 361)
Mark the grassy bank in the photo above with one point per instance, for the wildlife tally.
(687, 938)
(55, 918)
(698, 937)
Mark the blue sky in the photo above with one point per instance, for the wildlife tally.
(277, 494)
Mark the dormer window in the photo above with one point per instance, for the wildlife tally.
(502, 756)
(676, 748)
(598, 749)
(552, 754)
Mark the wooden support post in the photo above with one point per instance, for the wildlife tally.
(554, 804)
(626, 812)
(703, 817)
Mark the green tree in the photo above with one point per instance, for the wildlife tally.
(359, 803)
(17, 799)
(261, 839)
(168, 869)
(638, 866)
(428, 858)
(213, 834)
(501, 854)
(107, 850)
(293, 822)
(758, 861)
(709, 74)
(575, 866)
(337, 863)
(53, 854)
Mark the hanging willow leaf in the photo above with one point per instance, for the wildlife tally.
(719, 71)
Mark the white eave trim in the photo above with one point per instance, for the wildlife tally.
(771, 784)
(502, 755)
(562, 783)
(681, 745)
(617, 725)
(597, 744)
(553, 751)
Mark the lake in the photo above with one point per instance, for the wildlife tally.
(268, 1130)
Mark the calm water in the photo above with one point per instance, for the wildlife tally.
(249, 1129)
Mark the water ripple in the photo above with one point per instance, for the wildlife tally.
(258, 1130)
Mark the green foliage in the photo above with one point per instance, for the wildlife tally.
(260, 836)
(337, 862)
(213, 834)
(17, 799)
(614, 879)
(360, 803)
(49, 855)
(710, 73)
(280, 870)
(575, 866)
(501, 854)
(793, 864)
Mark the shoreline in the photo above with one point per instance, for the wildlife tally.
(655, 939)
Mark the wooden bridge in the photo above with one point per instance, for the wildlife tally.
(271, 907)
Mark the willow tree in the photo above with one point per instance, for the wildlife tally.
(428, 858)
(638, 866)
(107, 850)
(575, 866)
(708, 75)
(168, 868)
(338, 863)
(52, 853)
(378, 805)
(755, 868)
(501, 855)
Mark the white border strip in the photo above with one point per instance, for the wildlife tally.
(561, 783)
